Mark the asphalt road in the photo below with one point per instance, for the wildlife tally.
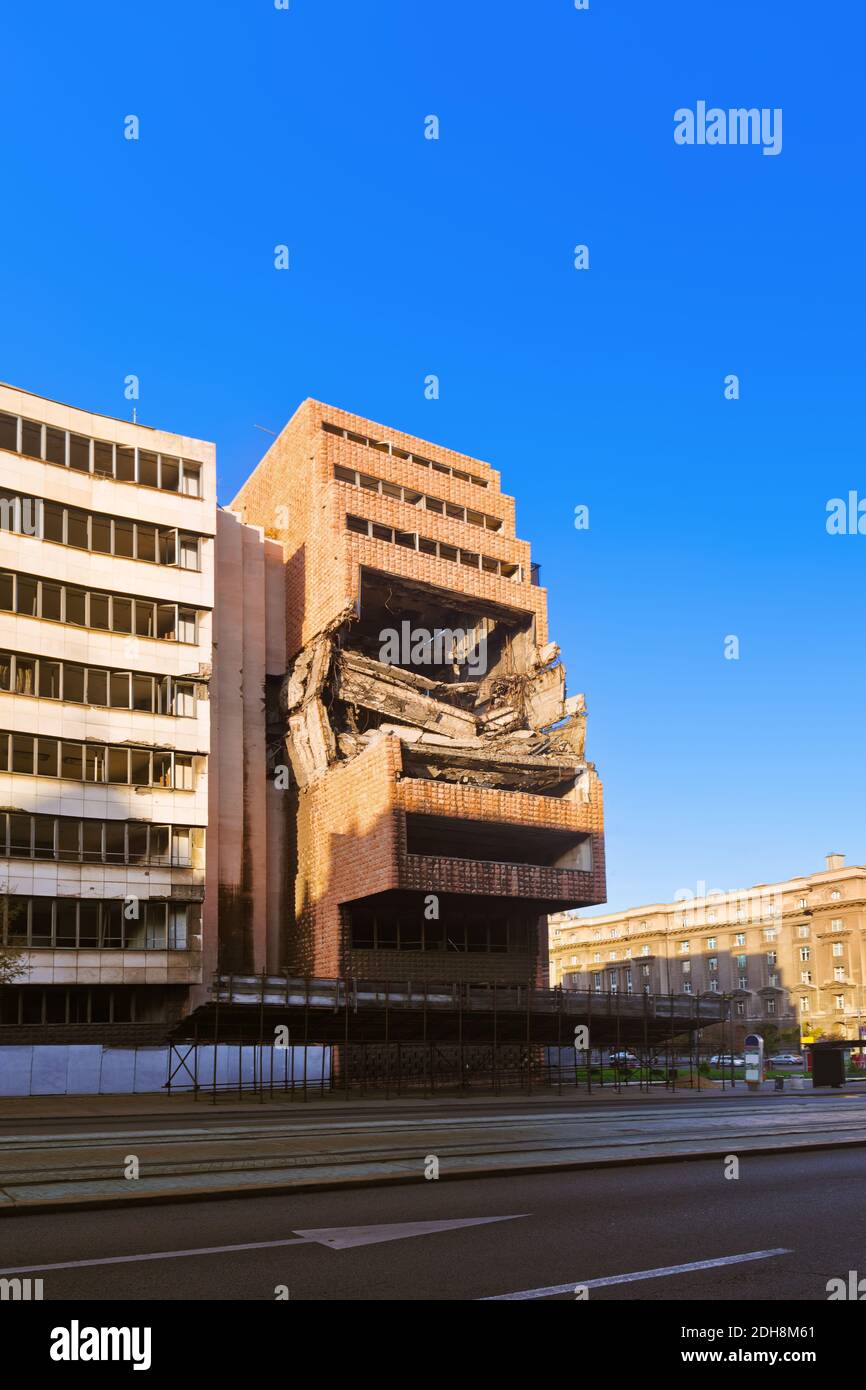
(563, 1230)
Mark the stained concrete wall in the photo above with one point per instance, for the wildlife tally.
(84, 1069)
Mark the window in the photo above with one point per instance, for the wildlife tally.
(139, 761)
(103, 458)
(25, 676)
(118, 686)
(124, 539)
(838, 948)
(76, 607)
(741, 962)
(69, 839)
(835, 895)
(743, 982)
(186, 625)
(97, 687)
(836, 923)
(801, 902)
(804, 1003)
(169, 473)
(713, 963)
(711, 943)
(805, 977)
(31, 439)
(687, 965)
(118, 765)
(22, 754)
(771, 957)
(115, 842)
(771, 933)
(684, 946)
(189, 553)
(839, 972)
(740, 939)
(191, 479)
(184, 700)
(77, 529)
(147, 468)
(177, 928)
(840, 1001)
(802, 931)
(805, 952)
(771, 1006)
(183, 778)
(711, 917)
(145, 543)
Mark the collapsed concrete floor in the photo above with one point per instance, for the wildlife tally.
(492, 712)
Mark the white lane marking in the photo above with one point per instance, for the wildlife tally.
(335, 1237)
(661, 1273)
(157, 1255)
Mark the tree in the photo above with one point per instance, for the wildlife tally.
(12, 963)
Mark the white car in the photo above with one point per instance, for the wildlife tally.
(786, 1059)
(726, 1060)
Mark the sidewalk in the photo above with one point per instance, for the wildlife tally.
(211, 1151)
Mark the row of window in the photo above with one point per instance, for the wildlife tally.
(98, 532)
(74, 1004)
(417, 499)
(68, 839)
(79, 452)
(47, 679)
(410, 540)
(96, 608)
(98, 924)
(480, 934)
(770, 934)
(396, 452)
(96, 762)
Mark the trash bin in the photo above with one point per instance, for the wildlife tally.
(780, 1083)
(828, 1066)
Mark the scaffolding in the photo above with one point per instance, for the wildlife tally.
(268, 1037)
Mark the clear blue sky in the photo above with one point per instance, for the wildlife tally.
(454, 257)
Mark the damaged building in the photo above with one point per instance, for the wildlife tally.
(322, 732)
(400, 788)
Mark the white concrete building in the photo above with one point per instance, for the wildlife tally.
(106, 596)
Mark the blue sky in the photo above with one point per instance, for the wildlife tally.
(454, 257)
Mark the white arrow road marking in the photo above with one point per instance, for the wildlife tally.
(661, 1273)
(335, 1237)
(346, 1237)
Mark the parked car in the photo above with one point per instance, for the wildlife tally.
(726, 1060)
(623, 1059)
(786, 1059)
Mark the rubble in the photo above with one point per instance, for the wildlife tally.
(515, 730)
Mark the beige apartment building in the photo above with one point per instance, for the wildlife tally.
(106, 593)
(788, 954)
